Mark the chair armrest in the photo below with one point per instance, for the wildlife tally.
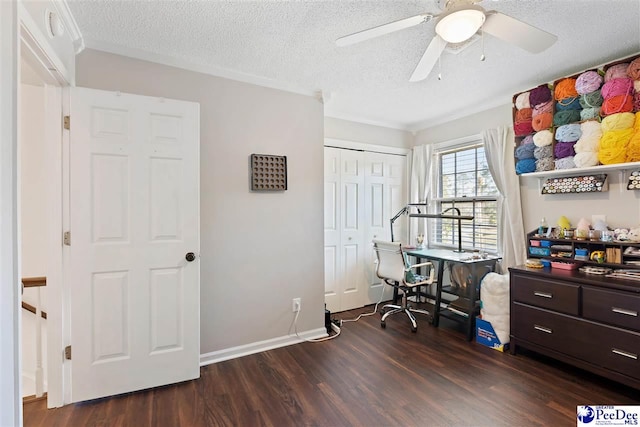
(432, 270)
(420, 265)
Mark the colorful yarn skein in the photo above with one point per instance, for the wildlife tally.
(572, 103)
(563, 149)
(539, 95)
(568, 133)
(545, 164)
(590, 113)
(522, 101)
(633, 70)
(565, 117)
(591, 99)
(616, 87)
(523, 115)
(543, 138)
(617, 104)
(618, 121)
(543, 152)
(586, 159)
(588, 82)
(565, 163)
(545, 107)
(633, 149)
(618, 71)
(542, 121)
(613, 146)
(527, 140)
(525, 151)
(525, 166)
(590, 139)
(565, 88)
(523, 128)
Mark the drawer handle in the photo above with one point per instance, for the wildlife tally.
(543, 294)
(542, 329)
(625, 312)
(624, 353)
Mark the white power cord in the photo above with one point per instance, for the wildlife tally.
(335, 328)
(375, 309)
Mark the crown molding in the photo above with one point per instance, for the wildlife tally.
(328, 112)
(70, 24)
(199, 68)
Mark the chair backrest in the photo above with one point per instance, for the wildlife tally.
(391, 263)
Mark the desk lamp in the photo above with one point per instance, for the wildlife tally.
(403, 211)
(443, 216)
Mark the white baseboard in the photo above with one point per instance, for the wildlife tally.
(260, 346)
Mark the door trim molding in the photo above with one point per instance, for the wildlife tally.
(361, 146)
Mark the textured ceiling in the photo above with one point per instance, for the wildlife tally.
(291, 44)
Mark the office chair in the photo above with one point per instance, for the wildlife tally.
(393, 268)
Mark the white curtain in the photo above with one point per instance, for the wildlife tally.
(498, 146)
(419, 186)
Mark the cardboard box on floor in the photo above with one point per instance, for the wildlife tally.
(486, 335)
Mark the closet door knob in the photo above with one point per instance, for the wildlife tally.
(190, 256)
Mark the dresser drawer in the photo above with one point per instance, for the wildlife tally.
(546, 293)
(613, 348)
(615, 308)
(552, 330)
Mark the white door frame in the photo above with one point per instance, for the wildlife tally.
(35, 50)
(10, 366)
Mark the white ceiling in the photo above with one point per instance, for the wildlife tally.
(291, 45)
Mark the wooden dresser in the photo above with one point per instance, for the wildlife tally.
(589, 321)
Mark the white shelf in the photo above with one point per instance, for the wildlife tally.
(583, 171)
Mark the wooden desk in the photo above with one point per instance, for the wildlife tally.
(466, 307)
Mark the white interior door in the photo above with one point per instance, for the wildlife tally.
(332, 216)
(134, 215)
(343, 228)
(385, 195)
(352, 226)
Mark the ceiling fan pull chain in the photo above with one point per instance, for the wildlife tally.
(440, 67)
(482, 57)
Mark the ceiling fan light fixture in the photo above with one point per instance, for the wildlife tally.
(460, 25)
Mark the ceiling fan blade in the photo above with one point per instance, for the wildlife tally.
(517, 32)
(383, 29)
(429, 59)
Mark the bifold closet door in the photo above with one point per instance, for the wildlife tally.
(385, 195)
(344, 233)
(363, 190)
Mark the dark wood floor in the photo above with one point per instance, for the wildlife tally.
(366, 377)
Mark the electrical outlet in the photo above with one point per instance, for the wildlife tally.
(295, 304)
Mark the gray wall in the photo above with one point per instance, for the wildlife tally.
(258, 250)
(621, 207)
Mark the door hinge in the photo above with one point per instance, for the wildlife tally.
(67, 352)
(66, 122)
(66, 238)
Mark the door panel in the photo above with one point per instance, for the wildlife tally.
(332, 216)
(386, 195)
(363, 190)
(134, 214)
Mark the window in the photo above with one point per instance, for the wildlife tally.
(465, 183)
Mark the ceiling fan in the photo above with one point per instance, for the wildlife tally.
(460, 20)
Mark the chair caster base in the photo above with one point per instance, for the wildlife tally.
(383, 325)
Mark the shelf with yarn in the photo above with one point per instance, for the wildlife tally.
(618, 167)
(580, 124)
